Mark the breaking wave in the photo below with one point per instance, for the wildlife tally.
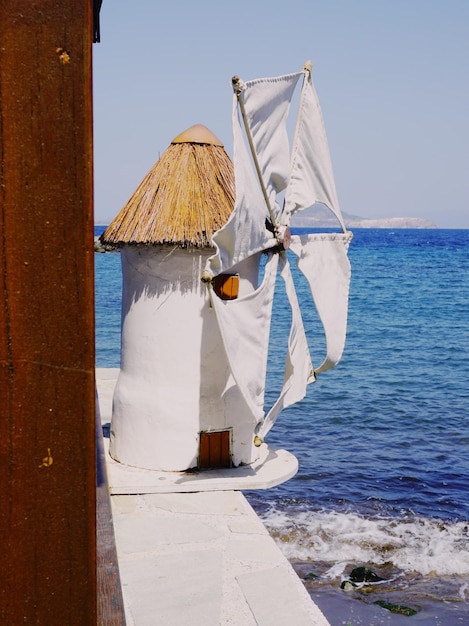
(413, 544)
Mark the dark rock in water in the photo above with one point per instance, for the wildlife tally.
(347, 585)
(396, 608)
(364, 575)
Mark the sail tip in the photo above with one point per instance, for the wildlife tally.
(237, 84)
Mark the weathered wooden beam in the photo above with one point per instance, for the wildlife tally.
(47, 387)
(110, 601)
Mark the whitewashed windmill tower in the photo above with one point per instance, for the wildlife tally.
(176, 405)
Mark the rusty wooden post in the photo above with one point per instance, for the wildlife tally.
(47, 388)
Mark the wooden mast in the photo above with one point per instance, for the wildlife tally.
(47, 385)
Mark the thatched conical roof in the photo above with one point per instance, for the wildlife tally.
(186, 196)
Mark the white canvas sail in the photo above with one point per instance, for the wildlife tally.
(323, 260)
(298, 366)
(303, 175)
(244, 326)
(311, 177)
(266, 103)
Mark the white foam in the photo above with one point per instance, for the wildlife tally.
(414, 545)
(462, 591)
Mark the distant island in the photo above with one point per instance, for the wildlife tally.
(320, 217)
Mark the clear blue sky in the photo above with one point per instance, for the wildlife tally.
(392, 78)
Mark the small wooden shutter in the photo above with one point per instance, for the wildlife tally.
(226, 286)
(215, 449)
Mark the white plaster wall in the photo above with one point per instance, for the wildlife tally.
(174, 379)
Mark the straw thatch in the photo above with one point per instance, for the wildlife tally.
(184, 198)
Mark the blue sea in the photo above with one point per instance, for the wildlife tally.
(382, 440)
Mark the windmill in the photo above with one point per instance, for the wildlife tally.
(190, 393)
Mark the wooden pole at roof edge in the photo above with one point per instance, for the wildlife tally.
(47, 383)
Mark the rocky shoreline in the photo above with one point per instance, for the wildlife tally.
(99, 246)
